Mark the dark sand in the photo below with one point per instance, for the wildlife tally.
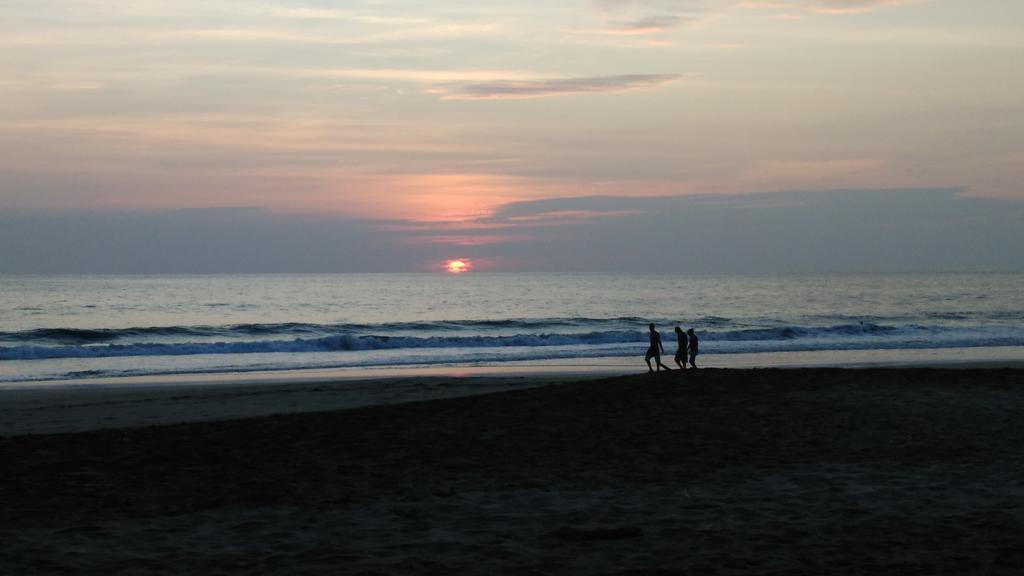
(915, 471)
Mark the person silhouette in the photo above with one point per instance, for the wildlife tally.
(654, 351)
(693, 348)
(681, 350)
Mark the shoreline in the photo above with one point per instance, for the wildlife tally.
(131, 402)
(75, 409)
(780, 471)
(977, 357)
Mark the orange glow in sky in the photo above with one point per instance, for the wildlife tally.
(457, 266)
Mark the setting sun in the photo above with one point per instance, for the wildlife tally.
(457, 266)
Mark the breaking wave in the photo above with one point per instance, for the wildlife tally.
(312, 338)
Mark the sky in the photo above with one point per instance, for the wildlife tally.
(392, 135)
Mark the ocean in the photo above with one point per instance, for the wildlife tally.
(81, 327)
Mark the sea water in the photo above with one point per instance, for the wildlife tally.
(57, 327)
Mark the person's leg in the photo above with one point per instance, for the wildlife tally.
(647, 359)
(693, 360)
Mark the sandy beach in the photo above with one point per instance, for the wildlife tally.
(803, 471)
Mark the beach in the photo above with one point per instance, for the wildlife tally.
(794, 471)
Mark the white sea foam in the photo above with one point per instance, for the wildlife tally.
(96, 326)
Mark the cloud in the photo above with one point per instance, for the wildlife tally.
(845, 230)
(651, 17)
(410, 74)
(822, 6)
(648, 17)
(468, 239)
(553, 209)
(665, 6)
(812, 170)
(851, 6)
(655, 17)
(543, 88)
(645, 26)
(850, 230)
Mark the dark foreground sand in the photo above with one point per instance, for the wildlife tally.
(721, 472)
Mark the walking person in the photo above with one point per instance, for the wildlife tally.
(655, 351)
(683, 343)
(693, 348)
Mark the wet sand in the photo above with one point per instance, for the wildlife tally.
(88, 406)
(812, 471)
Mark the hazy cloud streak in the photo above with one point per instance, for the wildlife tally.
(823, 6)
(642, 17)
(520, 89)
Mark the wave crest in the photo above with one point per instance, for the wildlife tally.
(96, 343)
